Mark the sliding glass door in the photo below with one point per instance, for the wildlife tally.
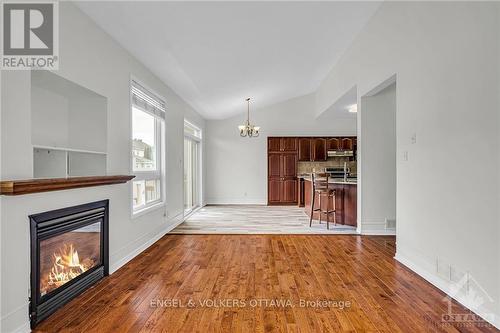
(192, 176)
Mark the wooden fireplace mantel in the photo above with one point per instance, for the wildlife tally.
(28, 186)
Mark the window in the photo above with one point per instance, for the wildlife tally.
(191, 130)
(192, 167)
(148, 123)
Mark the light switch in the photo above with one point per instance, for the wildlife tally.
(405, 156)
(414, 138)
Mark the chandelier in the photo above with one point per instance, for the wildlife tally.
(247, 129)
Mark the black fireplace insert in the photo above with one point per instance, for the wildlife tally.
(69, 254)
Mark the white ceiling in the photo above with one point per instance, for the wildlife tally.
(215, 54)
(340, 109)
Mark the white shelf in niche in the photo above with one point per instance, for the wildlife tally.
(70, 149)
(56, 162)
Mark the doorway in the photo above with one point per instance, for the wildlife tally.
(192, 168)
(377, 160)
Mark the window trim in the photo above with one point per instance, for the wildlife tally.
(160, 173)
(195, 128)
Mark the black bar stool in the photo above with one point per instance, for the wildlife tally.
(320, 186)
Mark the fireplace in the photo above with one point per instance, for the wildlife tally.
(69, 253)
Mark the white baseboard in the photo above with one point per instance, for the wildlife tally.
(445, 286)
(24, 328)
(16, 321)
(236, 201)
(143, 242)
(376, 228)
(385, 232)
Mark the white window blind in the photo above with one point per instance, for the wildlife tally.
(146, 101)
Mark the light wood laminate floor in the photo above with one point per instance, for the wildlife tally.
(255, 219)
(232, 279)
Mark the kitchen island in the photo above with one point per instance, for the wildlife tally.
(345, 200)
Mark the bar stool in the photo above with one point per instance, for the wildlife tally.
(320, 186)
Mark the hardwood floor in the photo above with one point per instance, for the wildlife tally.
(241, 270)
(255, 219)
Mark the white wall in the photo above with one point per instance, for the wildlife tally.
(60, 107)
(92, 59)
(237, 167)
(445, 56)
(378, 166)
(53, 115)
(498, 142)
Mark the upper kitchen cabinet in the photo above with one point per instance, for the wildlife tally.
(318, 148)
(347, 144)
(289, 144)
(333, 144)
(304, 149)
(282, 144)
(274, 145)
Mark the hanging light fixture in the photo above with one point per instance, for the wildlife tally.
(248, 129)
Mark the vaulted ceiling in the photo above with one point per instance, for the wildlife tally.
(215, 54)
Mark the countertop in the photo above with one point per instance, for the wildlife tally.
(339, 181)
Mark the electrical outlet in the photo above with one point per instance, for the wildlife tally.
(390, 223)
(443, 269)
(457, 275)
(405, 156)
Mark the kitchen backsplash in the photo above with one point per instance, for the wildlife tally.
(309, 167)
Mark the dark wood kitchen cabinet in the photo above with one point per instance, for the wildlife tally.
(284, 153)
(350, 204)
(289, 191)
(274, 166)
(287, 144)
(282, 171)
(274, 191)
(273, 145)
(300, 192)
(304, 149)
(289, 165)
(282, 179)
(339, 202)
(318, 148)
(347, 144)
(333, 144)
(315, 149)
(345, 203)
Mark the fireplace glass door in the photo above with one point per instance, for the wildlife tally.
(69, 254)
(65, 256)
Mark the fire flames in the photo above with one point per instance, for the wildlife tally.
(66, 266)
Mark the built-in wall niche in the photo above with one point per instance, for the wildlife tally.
(68, 128)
